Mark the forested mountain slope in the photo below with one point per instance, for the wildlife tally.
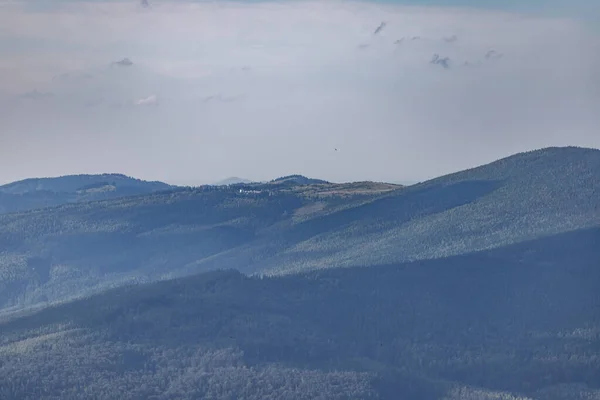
(35, 193)
(516, 322)
(521, 197)
(282, 226)
(53, 254)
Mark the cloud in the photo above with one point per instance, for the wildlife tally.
(151, 100)
(126, 62)
(220, 98)
(306, 86)
(451, 39)
(443, 61)
(492, 54)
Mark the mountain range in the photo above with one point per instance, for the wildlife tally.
(291, 224)
(480, 284)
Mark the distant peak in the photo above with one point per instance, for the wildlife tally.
(234, 180)
(72, 183)
(298, 180)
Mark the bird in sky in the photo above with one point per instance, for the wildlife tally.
(379, 28)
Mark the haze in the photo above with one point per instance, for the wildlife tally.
(190, 93)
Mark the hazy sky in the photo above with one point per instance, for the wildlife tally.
(255, 89)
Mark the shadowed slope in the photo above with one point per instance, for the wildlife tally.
(516, 320)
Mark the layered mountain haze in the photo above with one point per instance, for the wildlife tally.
(294, 224)
(315, 200)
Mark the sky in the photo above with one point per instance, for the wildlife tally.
(194, 92)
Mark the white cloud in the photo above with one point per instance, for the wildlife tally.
(287, 83)
(147, 101)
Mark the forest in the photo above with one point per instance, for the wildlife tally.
(518, 322)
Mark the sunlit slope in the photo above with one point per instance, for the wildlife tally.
(517, 198)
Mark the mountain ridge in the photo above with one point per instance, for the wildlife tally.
(32, 193)
(80, 248)
(234, 180)
(70, 182)
(487, 197)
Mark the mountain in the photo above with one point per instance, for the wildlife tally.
(234, 180)
(516, 322)
(280, 227)
(289, 180)
(46, 192)
(298, 180)
(53, 254)
(517, 198)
